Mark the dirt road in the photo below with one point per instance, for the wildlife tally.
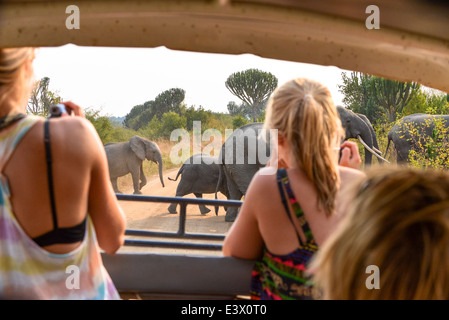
(155, 216)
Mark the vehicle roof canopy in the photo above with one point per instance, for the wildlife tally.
(412, 43)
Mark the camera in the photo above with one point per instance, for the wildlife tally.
(57, 110)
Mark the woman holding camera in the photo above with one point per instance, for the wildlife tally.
(287, 216)
(57, 206)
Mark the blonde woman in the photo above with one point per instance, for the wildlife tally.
(287, 216)
(57, 206)
(393, 243)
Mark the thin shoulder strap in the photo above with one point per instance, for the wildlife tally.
(284, 184)
(50, 172)
(285, 204)
(10, 140)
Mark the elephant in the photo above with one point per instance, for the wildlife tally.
(240, 162)
(199, 174)
(404, 141)
(128, 157)
(357, 126)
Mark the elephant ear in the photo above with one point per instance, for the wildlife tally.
(138, 146)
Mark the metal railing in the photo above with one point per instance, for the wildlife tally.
(181, 233)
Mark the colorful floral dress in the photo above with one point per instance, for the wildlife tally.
(282, 277)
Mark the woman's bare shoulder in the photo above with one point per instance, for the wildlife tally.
(263, 182)
(75, 135)
(351, 173)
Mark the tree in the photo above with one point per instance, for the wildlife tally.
(253, 87)
(102, 124)
(358, 97)
(171, 121)
(376, 97)
(133, 114)
(191, 114)
(42, 98)
(245, 110)
(234, 109)
(392, 96)
(427, 101)
(168, 100)
(239, 121)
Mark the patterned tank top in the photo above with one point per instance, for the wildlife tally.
(27, 271)
(284, 277)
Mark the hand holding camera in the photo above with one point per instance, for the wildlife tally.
(57, 111)
(65, 109)
(350, 156)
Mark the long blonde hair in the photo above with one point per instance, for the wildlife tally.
(303, 112)
(14, 86)
(399, 222)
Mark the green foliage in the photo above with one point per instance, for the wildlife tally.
(392, 96)
(253, 87)
(358, 97)
(171, 121)
(151, 130)
(191, 114)
(429, 102)
(429, 142)
(102, 124)
(167, 101)
(377, 98)
(106, 129)
(161, 129)
(239, 121)
(234, 109)
(120, 134)
(430, 151)
(381, 130)
(131, 117)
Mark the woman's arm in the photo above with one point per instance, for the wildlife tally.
(244, 239)
(103, 207)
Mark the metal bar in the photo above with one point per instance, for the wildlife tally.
(157, 234)
(182, 219)
(181, 233)
(210, 202)
(175, 245)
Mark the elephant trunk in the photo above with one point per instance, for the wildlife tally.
(160, 171)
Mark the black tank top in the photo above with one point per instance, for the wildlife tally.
(57, 235)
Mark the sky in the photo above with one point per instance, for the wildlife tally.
(114, 80)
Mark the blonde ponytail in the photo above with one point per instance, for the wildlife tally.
(13, 84)
(303, 111)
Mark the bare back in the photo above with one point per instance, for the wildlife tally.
(77, 171)
(277, 229)
(264, 220)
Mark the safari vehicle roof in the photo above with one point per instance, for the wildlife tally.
(412, 43)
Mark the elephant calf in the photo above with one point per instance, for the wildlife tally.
(127, 157)
(198, 176)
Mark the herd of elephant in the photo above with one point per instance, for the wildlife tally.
(206, 175)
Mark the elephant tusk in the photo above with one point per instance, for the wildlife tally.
(370, 150)
(377, 150)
